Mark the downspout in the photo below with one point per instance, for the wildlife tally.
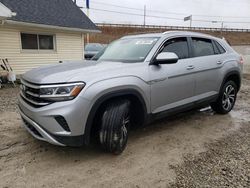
(83, 44)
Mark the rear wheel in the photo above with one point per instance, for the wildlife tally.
(227, 98)
(115, 122)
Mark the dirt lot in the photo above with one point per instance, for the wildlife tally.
(194, 149)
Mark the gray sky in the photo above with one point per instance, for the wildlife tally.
(171, 12)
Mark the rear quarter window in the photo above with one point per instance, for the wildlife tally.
(220, 49)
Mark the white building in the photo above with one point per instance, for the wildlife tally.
(40, 32)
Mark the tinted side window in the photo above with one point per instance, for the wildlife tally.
(220, 48)
(202, 47)
(177, 45)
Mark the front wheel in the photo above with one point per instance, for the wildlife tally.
(115, 122)
(227, 98)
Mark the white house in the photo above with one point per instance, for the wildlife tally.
(40, 32)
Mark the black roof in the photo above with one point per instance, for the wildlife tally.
(62, 13)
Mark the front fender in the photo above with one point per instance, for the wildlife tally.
(100, 91)
(94, 91)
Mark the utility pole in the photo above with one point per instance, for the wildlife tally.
(87, 6)
(144, 20)
(222, 26)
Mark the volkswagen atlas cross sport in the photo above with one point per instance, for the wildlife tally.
(135, 80)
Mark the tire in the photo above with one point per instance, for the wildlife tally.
(226, 99)
(115, 122)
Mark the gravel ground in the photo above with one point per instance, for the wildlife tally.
(8, 98)
(226, 163)
(194, 149)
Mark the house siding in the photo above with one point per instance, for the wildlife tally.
(68, 46)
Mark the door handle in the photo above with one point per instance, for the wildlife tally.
(219, 62)
(190, 67)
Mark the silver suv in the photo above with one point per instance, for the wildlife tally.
(135, 80)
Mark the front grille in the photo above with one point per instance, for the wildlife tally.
(31, 94)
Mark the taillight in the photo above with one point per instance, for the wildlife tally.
(241, 60)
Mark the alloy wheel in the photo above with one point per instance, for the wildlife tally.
(228, 97)
(124, 130)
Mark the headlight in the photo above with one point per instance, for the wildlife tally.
(61, 92)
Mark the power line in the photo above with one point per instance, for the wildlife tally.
(138, 9)
(163, 12)
(135, 14)
(164, 17)
(113, 5)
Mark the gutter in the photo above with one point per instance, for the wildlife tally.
(44, 26)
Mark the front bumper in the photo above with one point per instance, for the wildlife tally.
(35, 130)
(41, 122)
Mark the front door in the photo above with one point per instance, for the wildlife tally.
(172, 85)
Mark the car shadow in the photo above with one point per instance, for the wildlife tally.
(94, 151)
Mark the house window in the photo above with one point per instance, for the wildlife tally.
(37, 42)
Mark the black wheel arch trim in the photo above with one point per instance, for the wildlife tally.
(101, 100)
(231, 73)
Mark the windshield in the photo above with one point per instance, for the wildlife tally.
(127, 50)
(93, 47)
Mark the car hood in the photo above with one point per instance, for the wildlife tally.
(79, 71)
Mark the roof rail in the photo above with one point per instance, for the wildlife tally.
(167, 32)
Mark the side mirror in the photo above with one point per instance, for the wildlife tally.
(166, 58)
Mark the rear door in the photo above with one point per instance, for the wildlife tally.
(207, 60)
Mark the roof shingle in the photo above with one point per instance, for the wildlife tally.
(62, 13)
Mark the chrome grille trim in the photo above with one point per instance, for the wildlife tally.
(33, 102)
(30, 85)
(30, 93)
